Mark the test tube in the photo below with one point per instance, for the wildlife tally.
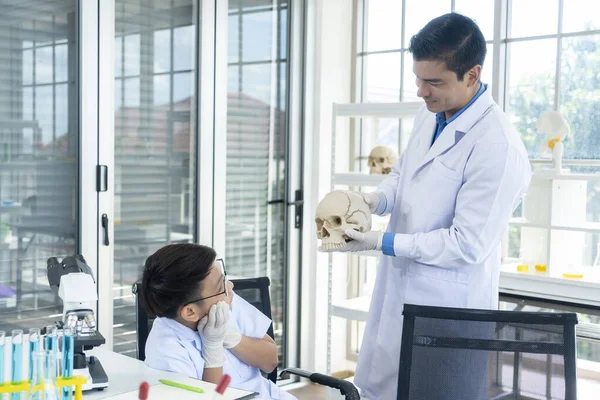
(34, 345)
(17, 360)
(2, 341)
(67, 370)
(51, 345)
(221, 387)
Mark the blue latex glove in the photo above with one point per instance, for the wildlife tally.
(370, 240)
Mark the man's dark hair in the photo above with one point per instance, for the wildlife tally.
(453, 39)
(172, 277)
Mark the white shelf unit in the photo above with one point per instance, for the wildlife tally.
(531, 285)
(554, 223)
(357, 309)
(357, 179)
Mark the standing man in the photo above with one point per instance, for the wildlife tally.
(450, 197)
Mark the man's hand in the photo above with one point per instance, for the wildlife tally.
(212, 329)
(371, 240)
(372, 200)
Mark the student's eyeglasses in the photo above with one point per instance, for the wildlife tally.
(221, 266)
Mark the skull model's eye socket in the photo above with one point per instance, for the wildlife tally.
(381, 159)
(336, 221)
(319, 222)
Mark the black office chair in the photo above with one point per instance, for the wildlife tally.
(451, 353)
(256, 292)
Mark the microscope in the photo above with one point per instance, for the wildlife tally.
(74, 281)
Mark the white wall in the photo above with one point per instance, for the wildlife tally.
(328, 80)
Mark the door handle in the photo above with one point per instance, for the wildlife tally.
(298, 203)
(277, 201)
(105, 229)
(101, 178)
(291, 203)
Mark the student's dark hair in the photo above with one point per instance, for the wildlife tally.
(172, 277)
(451, 38)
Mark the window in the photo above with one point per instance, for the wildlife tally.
(564, 48)
(546, 64)
(39, 157)
(549, 67)
(384, 65)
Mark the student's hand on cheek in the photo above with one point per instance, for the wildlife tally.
(212, 329)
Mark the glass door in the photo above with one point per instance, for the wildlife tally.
(155, 142)
(202, 149)
(41, 162)
(261, 198)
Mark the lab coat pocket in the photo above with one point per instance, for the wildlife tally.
(440, 169)
(438, 188)
(435, 286)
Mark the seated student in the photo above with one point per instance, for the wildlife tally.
(203, 329)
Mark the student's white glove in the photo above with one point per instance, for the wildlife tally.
(371, 240)
(212, 329)
(372, 200)
(233, 337)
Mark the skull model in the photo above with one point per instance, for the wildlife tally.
(381, 160)
(340, 210)
(556, 128)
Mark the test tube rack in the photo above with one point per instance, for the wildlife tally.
(78, 381)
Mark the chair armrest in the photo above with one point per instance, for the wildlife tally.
(346, 388)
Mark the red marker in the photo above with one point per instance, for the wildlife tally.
(222, 386)
(144, 389)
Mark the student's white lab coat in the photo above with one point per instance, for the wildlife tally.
(450, 202)
(174, 347)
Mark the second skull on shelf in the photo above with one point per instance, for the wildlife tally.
(381, 160)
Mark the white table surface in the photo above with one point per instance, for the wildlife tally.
(125, 375)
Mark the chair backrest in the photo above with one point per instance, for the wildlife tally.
(485, 354)
(143, 323)
(254, 290)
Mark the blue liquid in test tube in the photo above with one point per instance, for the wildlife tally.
(51, 345)
(17, 360)
(68, 344)
(34, 345)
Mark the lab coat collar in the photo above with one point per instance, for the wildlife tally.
(182, 331)
(460, 127)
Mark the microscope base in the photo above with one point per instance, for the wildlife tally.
(94, 373)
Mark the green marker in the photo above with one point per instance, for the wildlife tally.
(181, 386)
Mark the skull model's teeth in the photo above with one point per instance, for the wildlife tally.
(331, 246)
